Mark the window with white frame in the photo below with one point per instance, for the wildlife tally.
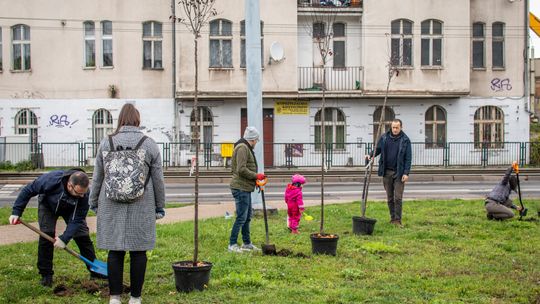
(489, 127)
(26, 123)
(497, 45)
(339, 45)
(206, 127)
(89, 44)
(102, 125)
(386, 122)
(152, 45)
(21, 47)
(106, 43)
(432, 38)
(401, 43)
(243, 44)
(334, 128)
(478, 45)
(221, 44)
(435, 120)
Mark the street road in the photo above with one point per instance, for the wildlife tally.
(217, 193)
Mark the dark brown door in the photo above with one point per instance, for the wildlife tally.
(268, 136)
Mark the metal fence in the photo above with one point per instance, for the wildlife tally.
(337, 79)
(285, 155)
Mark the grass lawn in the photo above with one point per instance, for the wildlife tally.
(446, 253)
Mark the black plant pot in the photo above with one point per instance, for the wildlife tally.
(324, 244)
(187, 278)
(363, 225)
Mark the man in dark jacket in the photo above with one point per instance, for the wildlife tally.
(498, 203)
(394, 166)
(61, 193)
(244, 177)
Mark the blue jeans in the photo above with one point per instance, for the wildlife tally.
(243, 216)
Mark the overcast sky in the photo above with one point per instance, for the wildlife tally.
(535, 9)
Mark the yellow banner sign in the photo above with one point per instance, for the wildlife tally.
(292, 107)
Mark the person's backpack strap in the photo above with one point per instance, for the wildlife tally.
(140, 142)
(111, 145)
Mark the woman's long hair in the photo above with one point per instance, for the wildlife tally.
(129, 116)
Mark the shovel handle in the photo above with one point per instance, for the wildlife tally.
(48, 237)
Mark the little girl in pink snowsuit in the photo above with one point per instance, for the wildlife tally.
(295, 203)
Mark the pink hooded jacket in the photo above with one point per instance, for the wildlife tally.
(293, 197)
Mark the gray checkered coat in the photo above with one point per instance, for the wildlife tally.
(128, 226)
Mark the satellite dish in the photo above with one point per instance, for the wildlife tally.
(276, 51)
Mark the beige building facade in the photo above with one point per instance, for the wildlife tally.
(67, 68)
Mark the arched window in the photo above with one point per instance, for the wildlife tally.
(435, 120)
(26, 123)
(221, 44)
(206, 126)
(387, 121)
(432, 42)
(334, 125)
(489, 127)
(401, 43)
(102, 125)
(20, 35)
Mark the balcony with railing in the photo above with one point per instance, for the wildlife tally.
(310, 79)
(334, 6)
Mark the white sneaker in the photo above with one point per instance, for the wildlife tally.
(133, 300)
(115, 300)
(250, 247)
(235, 248)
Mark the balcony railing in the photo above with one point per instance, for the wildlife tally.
(285, 155)
(330, 3)
(337, 79)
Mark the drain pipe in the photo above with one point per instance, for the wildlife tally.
(527, 70)
(176, 127)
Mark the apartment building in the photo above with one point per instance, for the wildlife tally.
(67, 68)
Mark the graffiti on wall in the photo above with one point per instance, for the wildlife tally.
(499, 85)
(26, 94)
(61, 121)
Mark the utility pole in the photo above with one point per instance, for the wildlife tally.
(254, 81)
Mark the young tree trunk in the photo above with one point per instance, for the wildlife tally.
(323, 147)
(197, 137)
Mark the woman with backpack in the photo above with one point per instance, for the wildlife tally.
(128, 195)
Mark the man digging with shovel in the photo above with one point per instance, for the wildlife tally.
(61, 194)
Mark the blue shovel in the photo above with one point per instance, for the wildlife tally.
(96, 266)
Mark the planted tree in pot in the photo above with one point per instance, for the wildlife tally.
(363, 224)
(322, 31)
(194, 274)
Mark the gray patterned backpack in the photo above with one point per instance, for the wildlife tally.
(125, 177)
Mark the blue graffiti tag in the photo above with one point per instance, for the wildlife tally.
(61, 121)
(499, 85)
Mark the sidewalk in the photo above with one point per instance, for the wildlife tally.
(10, 234)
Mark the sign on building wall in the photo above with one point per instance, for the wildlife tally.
(291, 107)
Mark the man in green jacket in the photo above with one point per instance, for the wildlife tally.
(244, 176)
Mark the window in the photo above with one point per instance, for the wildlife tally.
(488, 127)
(339, 45)
(206, 127)
(387, 121)
(497, 45)
(334, 126)
(435, 127)
(26, 123)
(102, 125)
(431, 43)
(243, 44)
(220, 44)
(152, 45)
(89, 44)
(401, 43)
(478, 59)
(21, 47)
(106, 43)
(1, 65)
